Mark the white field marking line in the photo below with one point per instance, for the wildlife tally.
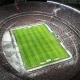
(48, 60)
(66, 50)
(57, 59)
(43, 63)
(48, 28)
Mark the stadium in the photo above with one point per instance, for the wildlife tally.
(40, 41)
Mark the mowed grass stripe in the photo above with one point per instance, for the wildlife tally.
(58, 48)
(49, 52)
(44, 46)
(34, 54)
(40, 41)
(42, 58)
(25, 50)
(30, 52)
(21, 48)
(24, 47)
(36, 46)
(49, 45)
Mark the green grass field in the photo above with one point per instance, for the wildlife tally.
(38, 46)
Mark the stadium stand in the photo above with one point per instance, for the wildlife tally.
(65, 23)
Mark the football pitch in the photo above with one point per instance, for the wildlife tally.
(38, 46)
